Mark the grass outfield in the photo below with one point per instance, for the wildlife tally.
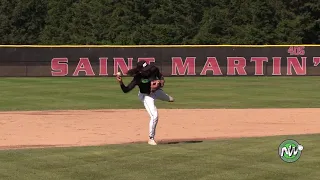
(236, 159)
(189, 92)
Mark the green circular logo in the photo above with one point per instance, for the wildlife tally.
(290, 150)
(144, 80)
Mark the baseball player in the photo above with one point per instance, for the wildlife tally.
(150, 82)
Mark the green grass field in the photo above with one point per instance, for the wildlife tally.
(241, 159)
(105, 93)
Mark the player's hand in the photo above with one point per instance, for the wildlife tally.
(119, 79)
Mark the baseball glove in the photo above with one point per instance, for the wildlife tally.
(155, 85)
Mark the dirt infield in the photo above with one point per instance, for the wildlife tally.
(98, 127)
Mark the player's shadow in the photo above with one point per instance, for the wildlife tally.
(180, 142)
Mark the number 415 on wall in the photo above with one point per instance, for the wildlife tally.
(296, 50)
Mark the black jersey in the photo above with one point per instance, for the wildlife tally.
(143, 80)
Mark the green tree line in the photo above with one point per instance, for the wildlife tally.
(134, 22)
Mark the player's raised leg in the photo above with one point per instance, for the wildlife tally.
(161, 95)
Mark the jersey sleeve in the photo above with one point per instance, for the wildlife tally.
(130, 86)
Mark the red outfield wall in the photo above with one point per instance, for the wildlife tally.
(35, 61)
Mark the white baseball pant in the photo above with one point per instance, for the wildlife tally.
(149, 104)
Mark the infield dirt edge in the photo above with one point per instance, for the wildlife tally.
(73, 128)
